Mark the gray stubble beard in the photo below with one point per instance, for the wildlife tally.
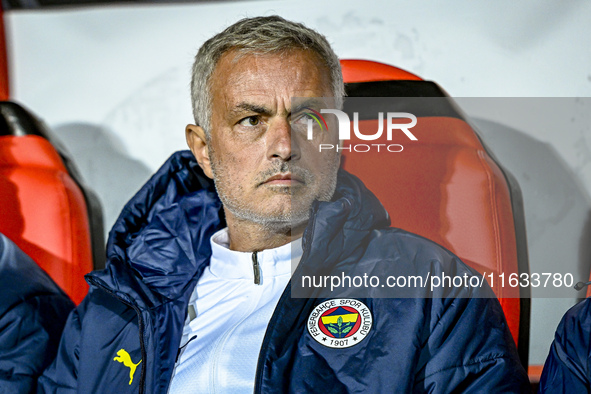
(283, 222)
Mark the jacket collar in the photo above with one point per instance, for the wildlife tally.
(337, 228)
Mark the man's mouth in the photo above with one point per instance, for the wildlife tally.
(287, 179)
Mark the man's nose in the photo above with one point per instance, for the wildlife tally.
(280, 143)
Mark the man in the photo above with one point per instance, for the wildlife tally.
(197, 293)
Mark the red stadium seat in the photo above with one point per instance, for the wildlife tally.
(42, 207)
(446, 186)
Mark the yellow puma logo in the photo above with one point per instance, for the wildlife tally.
(125, 359)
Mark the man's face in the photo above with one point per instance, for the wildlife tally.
(263, 173)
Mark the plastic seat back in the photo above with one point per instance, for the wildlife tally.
(446, 186)
(42, 208)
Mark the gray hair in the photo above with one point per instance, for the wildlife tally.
(260, 35)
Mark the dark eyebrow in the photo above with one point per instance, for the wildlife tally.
(248, 107)
(313, 102)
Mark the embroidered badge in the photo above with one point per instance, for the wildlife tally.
(340, 323)
(124, 358)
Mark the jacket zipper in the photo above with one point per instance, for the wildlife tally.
(286, 293)
(99, 285)
(256, 268)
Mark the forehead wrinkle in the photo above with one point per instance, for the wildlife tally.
(249, 107)
(241, 89)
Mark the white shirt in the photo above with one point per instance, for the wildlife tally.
(223, 333)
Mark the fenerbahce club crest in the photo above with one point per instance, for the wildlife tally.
(340, 323)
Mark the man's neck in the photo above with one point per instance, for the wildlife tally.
(246, 236)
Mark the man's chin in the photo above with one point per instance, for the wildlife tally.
(280, 222)
(285, 223)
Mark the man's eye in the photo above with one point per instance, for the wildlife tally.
(301, 118)
(250, 121)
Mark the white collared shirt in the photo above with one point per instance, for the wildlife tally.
(224, 330)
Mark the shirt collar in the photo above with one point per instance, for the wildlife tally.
(227, 263)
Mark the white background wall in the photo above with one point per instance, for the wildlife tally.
(112, 82)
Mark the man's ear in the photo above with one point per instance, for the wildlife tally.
(197, 142)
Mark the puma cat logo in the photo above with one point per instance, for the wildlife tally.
(124, 358)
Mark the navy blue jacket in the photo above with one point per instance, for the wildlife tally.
(567, 368)
(159, 247)
(33, 311)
